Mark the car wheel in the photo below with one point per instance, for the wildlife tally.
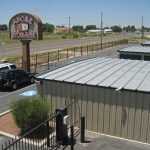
(32, 80)
(14, 86)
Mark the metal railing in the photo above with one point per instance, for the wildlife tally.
(41, 137)
(46, 58)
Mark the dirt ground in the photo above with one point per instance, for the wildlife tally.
(7, 124)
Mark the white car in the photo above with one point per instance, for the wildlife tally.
(7, 66)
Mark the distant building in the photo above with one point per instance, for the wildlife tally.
(61, 29)
(99, 30)
(108, 31)
(93, 31)
(146, 43)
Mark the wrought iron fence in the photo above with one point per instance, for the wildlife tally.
(41, 137)
(44, 135)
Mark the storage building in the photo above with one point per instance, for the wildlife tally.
(112, 94)
(146, 43)
(135, 53)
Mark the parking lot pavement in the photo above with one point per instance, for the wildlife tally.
(2, 93)
(102, 142)
(3, 140)
(6, 98)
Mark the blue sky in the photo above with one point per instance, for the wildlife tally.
(120, 12)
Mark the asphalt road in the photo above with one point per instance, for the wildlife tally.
(6, 98)
(46, 45)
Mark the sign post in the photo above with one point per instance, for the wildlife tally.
(25, 27)
(26, 55)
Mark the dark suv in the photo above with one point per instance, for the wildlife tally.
(15, 78)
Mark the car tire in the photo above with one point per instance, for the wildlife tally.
(32, 80)
(14, 86)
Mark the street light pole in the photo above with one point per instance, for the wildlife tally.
(142, 30)
(69, 24)
(101, 29)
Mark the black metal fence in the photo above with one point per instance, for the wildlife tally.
(42, 137)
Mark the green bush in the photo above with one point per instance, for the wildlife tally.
(64, 36)
(30, 112)
(75, 35)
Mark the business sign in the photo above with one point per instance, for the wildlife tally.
(24, 26)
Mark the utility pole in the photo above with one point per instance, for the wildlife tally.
(142, 29)
(69, 24)
(101, 29)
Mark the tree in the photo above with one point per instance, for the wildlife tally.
(116, 28)
(90, 27)
(78, 28)
(48, 27)
(3, 27)
(132, 29)
(129, 28)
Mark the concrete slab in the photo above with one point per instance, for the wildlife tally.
(103, 142)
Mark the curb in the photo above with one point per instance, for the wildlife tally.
(5, 112)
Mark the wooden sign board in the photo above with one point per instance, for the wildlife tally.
(24, 26)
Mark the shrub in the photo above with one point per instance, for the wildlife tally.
(30, 112)
(75, 35)
(64, 36)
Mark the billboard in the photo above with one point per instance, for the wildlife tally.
(24, 26)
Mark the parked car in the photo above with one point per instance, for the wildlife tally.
(15, 78)
(7, 66)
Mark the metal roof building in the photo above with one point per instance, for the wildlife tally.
(106, 72)
(146, 43)
(135, 53)
(112, 94)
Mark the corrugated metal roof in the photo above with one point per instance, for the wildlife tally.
(105, 72)
(136, 49)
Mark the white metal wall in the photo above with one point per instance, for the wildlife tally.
(118, 113)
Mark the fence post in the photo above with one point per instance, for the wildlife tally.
(87, 49)
(67, 53)
(22, 62)
(81, 51)
(72, 138)
(35, 67)
(74, 52)
(48, 133)
(58, 55)
(82, 138)
(48, 60)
